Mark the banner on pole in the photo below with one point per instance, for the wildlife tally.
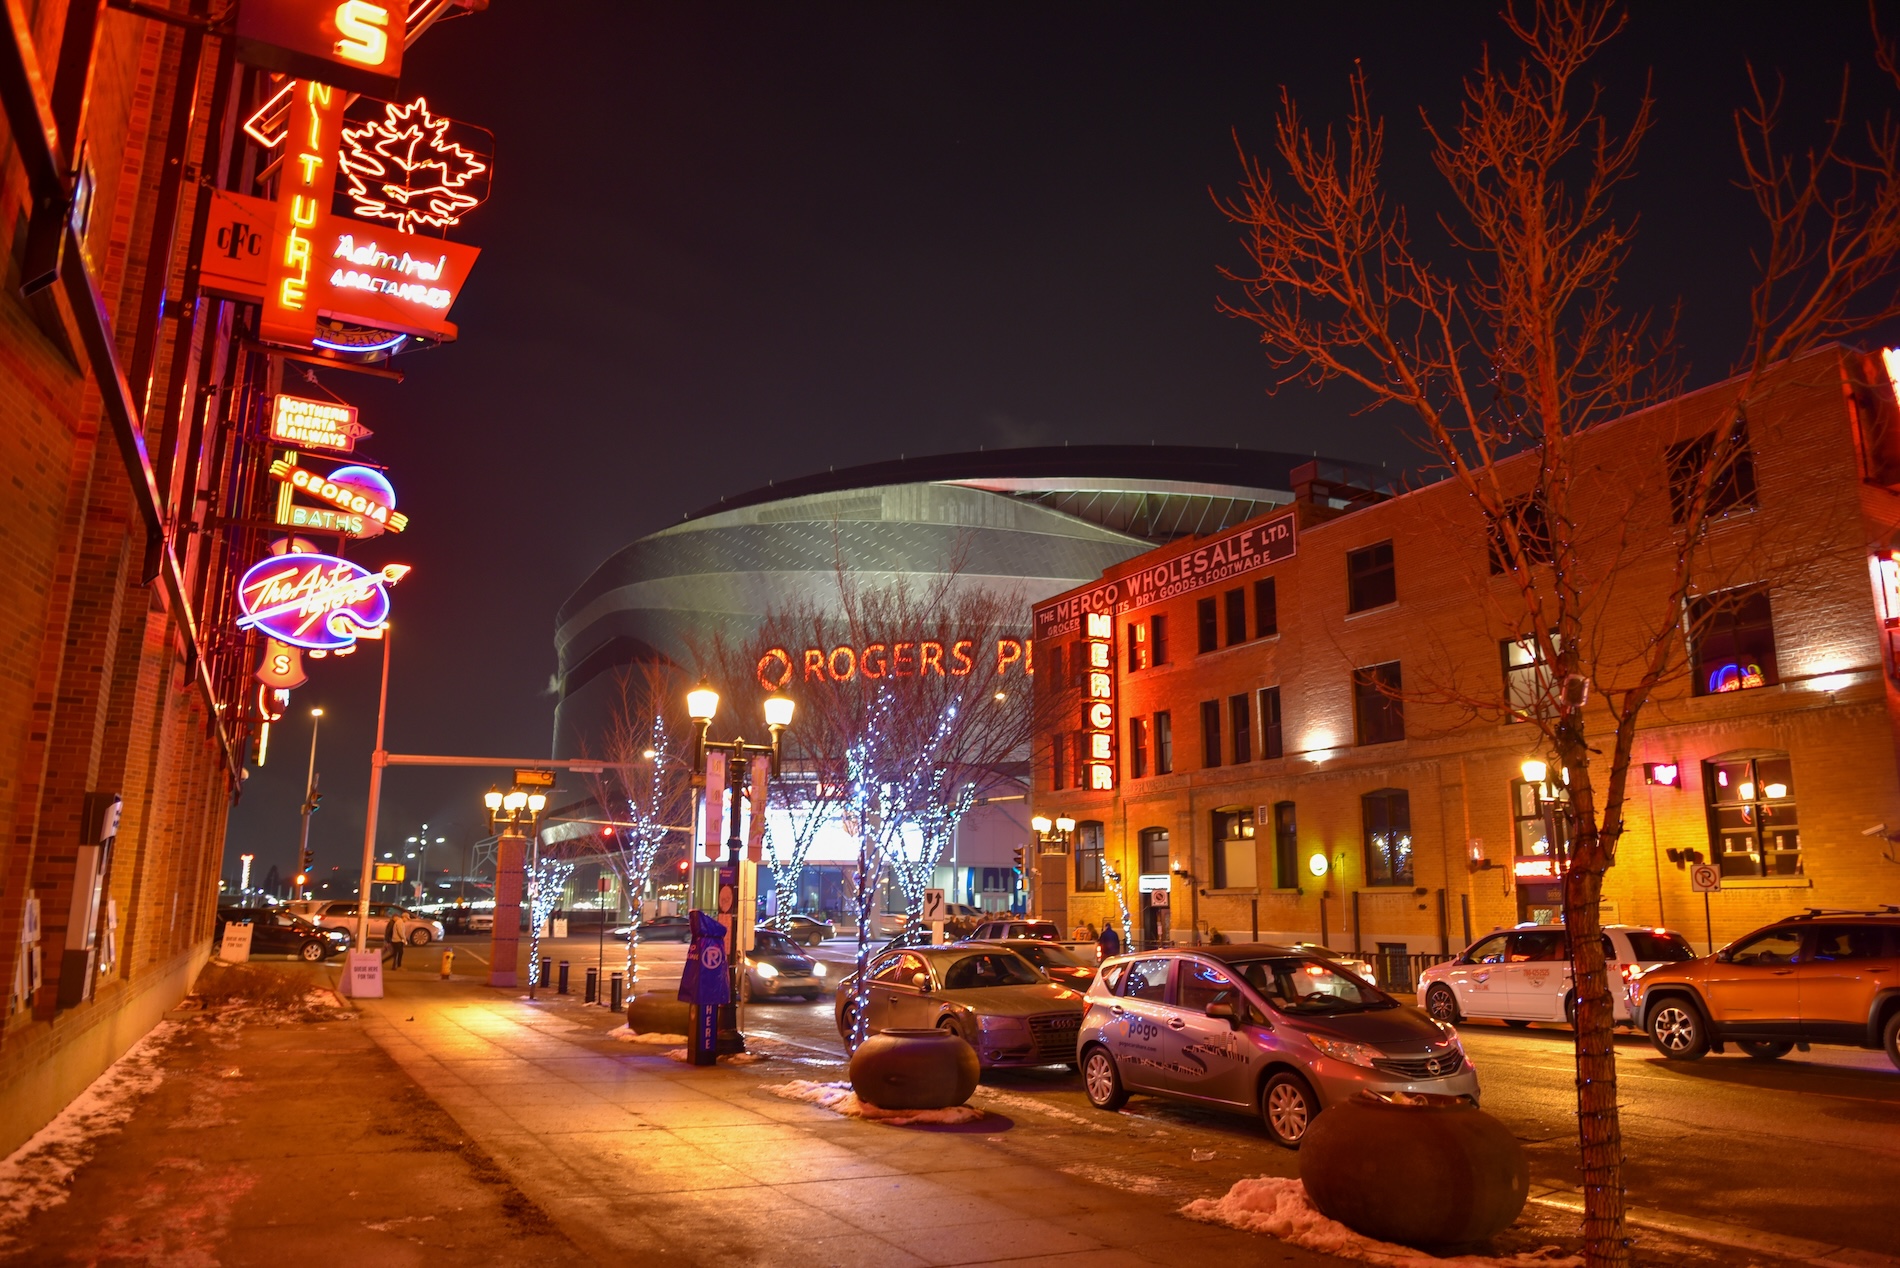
(755, 826)
(715, 806)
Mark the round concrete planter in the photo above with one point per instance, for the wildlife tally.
(1422, 1171)
(914, 1069)
(653, 1013)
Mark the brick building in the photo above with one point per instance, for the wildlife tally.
(1289, 735)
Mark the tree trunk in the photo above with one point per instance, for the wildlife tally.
(1599, 1130)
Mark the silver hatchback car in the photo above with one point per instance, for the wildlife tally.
(1264, 1029)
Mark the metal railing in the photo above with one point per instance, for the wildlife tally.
(1399, 970)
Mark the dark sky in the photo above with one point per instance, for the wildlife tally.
(732, 243)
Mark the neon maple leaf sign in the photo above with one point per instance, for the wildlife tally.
(404, 169)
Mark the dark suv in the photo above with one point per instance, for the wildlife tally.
(1828, 977)
(277, 932)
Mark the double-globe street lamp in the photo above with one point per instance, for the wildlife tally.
(510, 815)
(702, 703)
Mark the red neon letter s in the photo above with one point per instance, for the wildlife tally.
(362, 26)
(960, 652)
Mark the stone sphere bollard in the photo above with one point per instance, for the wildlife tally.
(1422, 1170)
(914, 1069)
(653, 1013)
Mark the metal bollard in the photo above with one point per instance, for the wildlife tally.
(618, 989)
(563, 987)
(546, 975)
(448, 961)
(592, 989)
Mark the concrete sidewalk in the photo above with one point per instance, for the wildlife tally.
(629, 1151)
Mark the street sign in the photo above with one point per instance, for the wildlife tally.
(534, 778)
(1705, 878)
(933, 904)
(388, 873)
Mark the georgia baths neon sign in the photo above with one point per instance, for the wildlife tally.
(317, 602)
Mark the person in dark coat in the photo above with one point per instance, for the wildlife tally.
(1110, 942)
(393, 944)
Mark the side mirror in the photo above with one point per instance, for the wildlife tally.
(921, 981)
(1725, 956)
(1224, 1010)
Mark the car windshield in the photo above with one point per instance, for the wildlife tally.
(1045, 954)
(990, 968)
(1658, 944)
(775, 943)
(1309, 985)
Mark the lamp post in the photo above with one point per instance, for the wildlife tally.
(1052, 838)
(422, 865)
(509, 814)
(702, 703)
(310, 799)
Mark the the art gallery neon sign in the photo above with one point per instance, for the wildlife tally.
(915, 658)
(317, 602)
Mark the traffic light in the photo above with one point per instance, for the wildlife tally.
(303, 878)
(1022, 858)
(315, 799)
(306, 861)
(685, 866)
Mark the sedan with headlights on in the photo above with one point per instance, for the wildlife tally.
(775, 968)
(996, 1001)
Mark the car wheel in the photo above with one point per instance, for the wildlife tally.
(1678, 1031)
(1890, 1037)
(953, 1026)
(420, 938)
(1570, 1009)
(1516, 1023)
(1442, 1003)
(1765, 1049)
(1288, 1107)
(1102, 1081)
(847, 1021)
(311, 952)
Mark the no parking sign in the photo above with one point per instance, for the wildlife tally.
(1705, 878)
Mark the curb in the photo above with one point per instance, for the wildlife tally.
(1716, 1232)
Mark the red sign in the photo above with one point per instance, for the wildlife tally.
(305, 181)
(306, 424)
(354, 44)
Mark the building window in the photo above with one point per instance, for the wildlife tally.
(1531, 828)
(1079, 767)
(1377, 711)
(1753, 830)
(1210, 733)
(1266, 609)
(1088, 857)
(1233, 849)
(1154, 851)
(1059, 761)
(1371, 579)
(1137, 646)
(1236, 603)
(1527, 515)
(1240, 718)
(1732, 478)
(1053, 666)
(1388, 815)
(1271, 743)
(1207, 625)
(1137, 747)
(1734, 637)
(1078, 665)
(1164, 743)
(1286, 846)
(1529, 690)
(1158, 639)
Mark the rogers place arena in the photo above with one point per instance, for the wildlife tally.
(1029, 521)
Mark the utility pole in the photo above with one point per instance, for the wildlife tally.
(310, 799)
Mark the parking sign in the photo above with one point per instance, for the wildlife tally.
(1705, 878)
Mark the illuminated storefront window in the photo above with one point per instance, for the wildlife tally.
(1753, 829)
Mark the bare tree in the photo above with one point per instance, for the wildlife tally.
(650, 787)
(1509, 340)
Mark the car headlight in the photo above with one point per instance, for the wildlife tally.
(987, 1023)
(817, 970)
(766, 971)
(1351, 1053)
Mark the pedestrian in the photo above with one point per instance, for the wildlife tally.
(393, 943)
(1110, 942)
(1080, 933)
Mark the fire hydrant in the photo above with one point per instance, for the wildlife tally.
(448, 961)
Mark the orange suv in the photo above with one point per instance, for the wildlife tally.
(1829, 977)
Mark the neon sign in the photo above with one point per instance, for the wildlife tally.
(358, 491)
(1536, 868)
(1734, 677)
(317, 602)
(309, 424)
(354, 44)
(903, 659)
(306, 179)
(406, 168)
(1098, 700)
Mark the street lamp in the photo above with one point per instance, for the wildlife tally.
(702, 705)
(422, 867)
(510, 816)
(310, 799)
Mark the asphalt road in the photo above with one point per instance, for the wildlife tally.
(1805, 1147)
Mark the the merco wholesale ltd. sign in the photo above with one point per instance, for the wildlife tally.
(1208, 564)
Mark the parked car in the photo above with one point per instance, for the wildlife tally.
(775, 967)
(999, 1003)
(1826, 977)
(416, 930)
(658, 929)
(1358, 966)
(1071, 968)
(1016, 927)
(275, 931)
(468, 919)
(806, 930)
(1522, 975)
(1261, 1029)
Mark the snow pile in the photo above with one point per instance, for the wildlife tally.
(840, 1099)
(1279, 1208)
(36, 1175)
(730, 1058)
(627, 1034)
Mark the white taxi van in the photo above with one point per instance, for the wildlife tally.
(1522, 975)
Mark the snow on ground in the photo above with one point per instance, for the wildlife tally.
(731, 1058)
(1279, 1208)
(35, 1176)
(1035, 1106)
(627, 1034)
(840, 1099)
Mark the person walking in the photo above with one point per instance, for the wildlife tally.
(1110, 942)
(393, 944)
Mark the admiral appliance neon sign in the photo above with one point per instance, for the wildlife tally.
(317, 602)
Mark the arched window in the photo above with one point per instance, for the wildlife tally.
(1753, 828)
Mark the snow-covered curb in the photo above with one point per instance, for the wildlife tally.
(626, 1034)
(1279, 1208)
(37, 1174)
(840, 1099)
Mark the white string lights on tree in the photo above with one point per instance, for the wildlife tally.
(545, 888)
(641, 839)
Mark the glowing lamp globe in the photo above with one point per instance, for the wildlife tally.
(515, 800)
(536, 801)
(1042, 824)
(1064, 824)
(702, 702)
(1534, 771)
(492, 799)
(778, 711)
(1317, 865)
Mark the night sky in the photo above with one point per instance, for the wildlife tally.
(730, 244)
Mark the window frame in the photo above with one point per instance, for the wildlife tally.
(1146, 838)
(1378, 710)
(1266, 609)
(1093, 878)
(1158, 639)
(1210, 735)
(1164, 741)
(1372, 577)
(1240, 725)
(1234, 616)
(1754, 811)
(1243, 839)
(1733, 489)
(1718, 615)
(1286, 845)
(1137, 748)
(1532, 519)
(1058, 757)
(1388, 875)
(1206, 625)
(1272, 732)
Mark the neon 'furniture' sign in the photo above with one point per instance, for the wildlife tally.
(354, 44)
(316, 602)
(305, 182)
